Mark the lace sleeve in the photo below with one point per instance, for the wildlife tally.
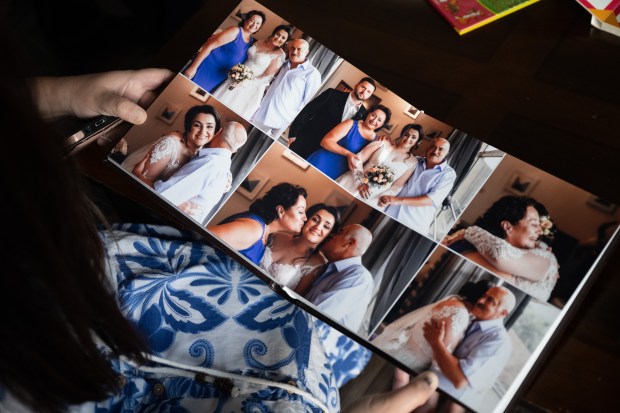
(456, 319)
(166, 147)
(532, 264)
(367, 152)
(271, 70)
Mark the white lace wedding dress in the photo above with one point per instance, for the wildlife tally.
(287, 275)
(404, 338)
(524, 265)
(352, 179)
(245, 98)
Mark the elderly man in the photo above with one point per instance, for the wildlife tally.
(326, 111)
(199, 185)
(344, 289)
(417, 202)
(296, 83)
(483, 352)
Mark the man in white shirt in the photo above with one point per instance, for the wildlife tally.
(199, 185)
(296, 83)
(431, 182)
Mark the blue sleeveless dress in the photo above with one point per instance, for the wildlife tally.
(332, 164)
(255, 251)
(214, 69)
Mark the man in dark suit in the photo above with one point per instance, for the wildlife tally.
(326, 111)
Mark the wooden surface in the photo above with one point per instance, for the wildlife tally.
(540, 84)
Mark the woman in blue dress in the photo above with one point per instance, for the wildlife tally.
(223, 50)
(340, 146)
(281, 209)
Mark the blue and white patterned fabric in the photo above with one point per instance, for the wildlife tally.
(230, 344)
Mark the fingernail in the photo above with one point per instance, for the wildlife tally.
(429, 378)
(138, 116)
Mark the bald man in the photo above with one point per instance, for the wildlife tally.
(199, 185)
(483, 352)
(343, 291)
(294, 86)
(418, 200)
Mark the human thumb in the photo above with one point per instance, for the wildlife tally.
(119, 106)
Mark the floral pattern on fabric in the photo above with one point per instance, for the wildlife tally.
(200, 308)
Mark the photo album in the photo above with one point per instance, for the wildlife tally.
(408, 235)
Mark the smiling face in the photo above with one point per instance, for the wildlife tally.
(298, 51)
(253, 24)
(525, 233)
(490, 305)
(437, 152)
(363, 90)
(375, 119)
(318, 226)
(279, 38)
(409, 139)
(292, 219)
(202, 130)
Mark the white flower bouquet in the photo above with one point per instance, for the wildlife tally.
(238, 74)
(379, 176)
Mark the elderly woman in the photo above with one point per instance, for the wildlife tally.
(281, 209)
(506, 240)
(223, 50)
(175, 149)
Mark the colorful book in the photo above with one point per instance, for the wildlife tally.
(605, 14)
(467, 15)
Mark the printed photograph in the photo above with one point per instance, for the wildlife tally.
(520, 228)
(193, 157)
(455, 308)
(260, 66)
(344, 257)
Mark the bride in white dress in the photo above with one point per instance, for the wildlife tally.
(398, 156)
(404, 338)
(289, 258)
(265, 57)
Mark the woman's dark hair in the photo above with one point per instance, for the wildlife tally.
(384, 109)
(332, 210)
(472, 291)
(406, 129)
(250, 14)
(191, 114)
(54, 300)
(509, 208)
(284, 27)
(283, 194)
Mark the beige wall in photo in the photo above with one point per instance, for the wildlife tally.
(177, 94)
(566, 203)
(351, 75)
(280, 169)
(271, 22)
